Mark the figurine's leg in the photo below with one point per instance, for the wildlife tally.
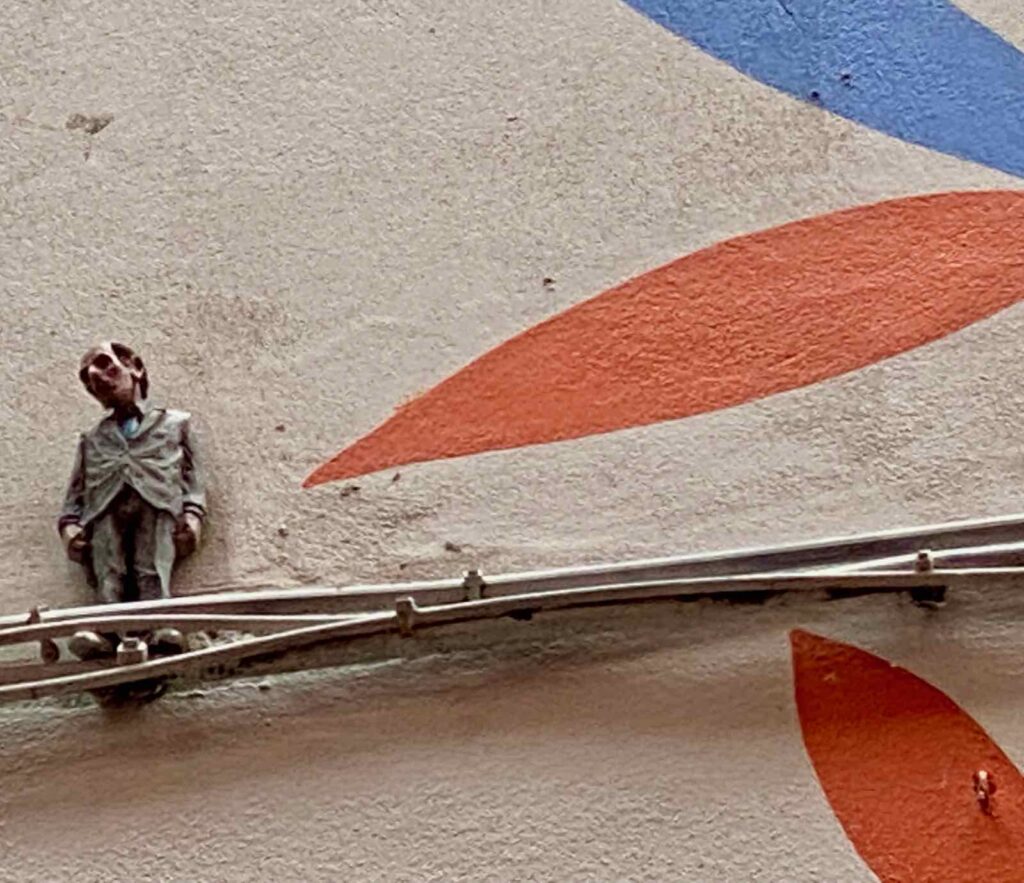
(153, 556)
(108, 558)
(109, 572)
(153, 561)
(133, 525)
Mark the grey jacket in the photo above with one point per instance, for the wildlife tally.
(158, 462)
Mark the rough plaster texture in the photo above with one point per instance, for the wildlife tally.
(921, 70)
(653, 744)
(303, 213)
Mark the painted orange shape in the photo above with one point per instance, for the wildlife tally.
(742, 319)
(897, 758)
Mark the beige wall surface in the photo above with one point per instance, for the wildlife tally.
(303, 214)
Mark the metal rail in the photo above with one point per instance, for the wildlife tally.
(408, 617)
(957, 552)
(891, 549)
(995, 555)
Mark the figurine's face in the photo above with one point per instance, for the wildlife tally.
(114, 374)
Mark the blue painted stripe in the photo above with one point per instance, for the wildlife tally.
(921, 70)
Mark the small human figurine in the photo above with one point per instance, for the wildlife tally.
(136, 500)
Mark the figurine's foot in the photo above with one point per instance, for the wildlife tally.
(167, 642)
(90, 645)
(130, 695)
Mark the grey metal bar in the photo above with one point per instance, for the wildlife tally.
(414, 617)
(848, 551)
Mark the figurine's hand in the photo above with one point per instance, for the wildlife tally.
(75, 544)
(187, 532)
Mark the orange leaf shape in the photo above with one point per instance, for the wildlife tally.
(896, 758)
(743, 319)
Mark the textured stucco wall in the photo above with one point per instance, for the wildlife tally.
(654, 744)
(304, 214)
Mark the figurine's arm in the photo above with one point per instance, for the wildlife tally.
(195, 485)
(190, 527)
(69, 523)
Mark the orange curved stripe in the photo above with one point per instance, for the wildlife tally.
(896, 757)
(737, 321)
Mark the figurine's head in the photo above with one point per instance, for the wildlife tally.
(114, 375)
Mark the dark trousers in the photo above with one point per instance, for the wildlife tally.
(132, 550)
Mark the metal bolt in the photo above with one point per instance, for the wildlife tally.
(132, 651)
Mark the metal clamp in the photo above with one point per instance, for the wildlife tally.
(405, 611)
(49, 652)
(924, 561)
(928, 597)
(474, 585)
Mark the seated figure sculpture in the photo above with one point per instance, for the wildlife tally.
(135, 502)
